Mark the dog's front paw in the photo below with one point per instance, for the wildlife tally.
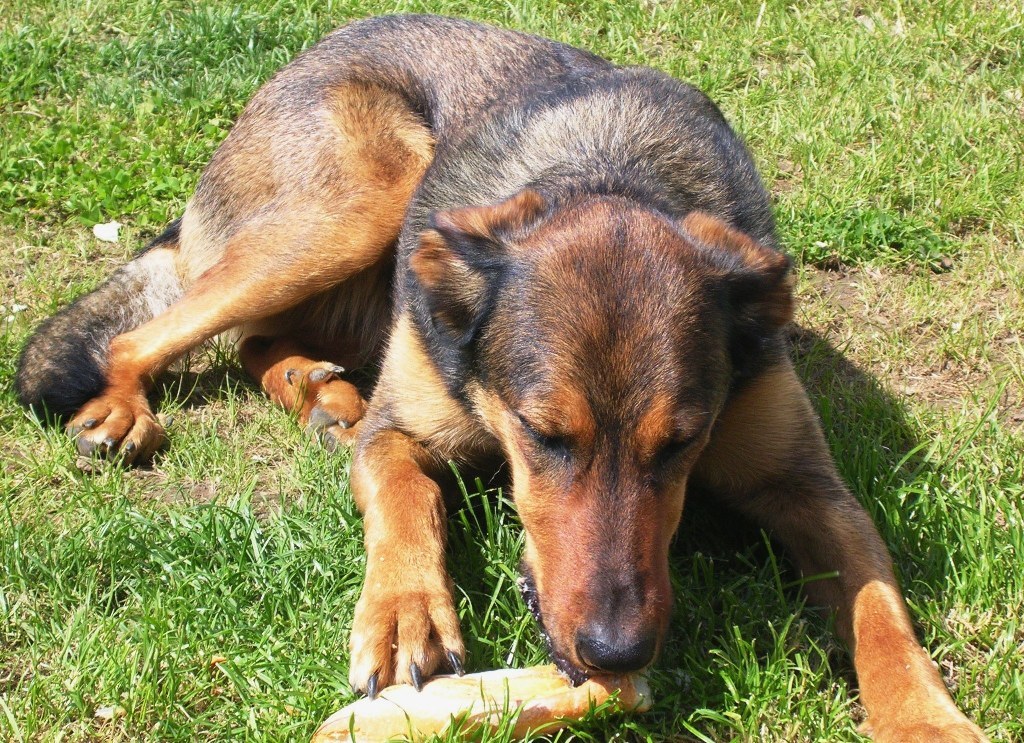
(954, 729)
(403, 630)
(116, 426)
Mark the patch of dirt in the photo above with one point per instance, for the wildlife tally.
(15, 673)
(266, 500)
(791, 176)
(948, 340)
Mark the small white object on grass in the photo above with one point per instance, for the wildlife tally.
(106, 714)
(107, 232)
(542, 697)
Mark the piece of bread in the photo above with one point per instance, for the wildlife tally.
(543, 697)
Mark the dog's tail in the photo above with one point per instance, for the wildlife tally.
(64, 363)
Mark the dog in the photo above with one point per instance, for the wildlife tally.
(542, 257)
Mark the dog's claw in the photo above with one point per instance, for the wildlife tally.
(324, 373)
(91, 423)
(289, 374)
(371, 688)
(319, 419)
(417, 678)
(455, 663)
(129, 449)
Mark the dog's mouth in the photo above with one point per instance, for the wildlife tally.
(528, 588)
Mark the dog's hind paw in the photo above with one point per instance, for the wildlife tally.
(333, 432)
(117, 427)
(403, 637)
(330, 408)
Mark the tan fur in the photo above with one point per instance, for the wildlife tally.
(352, 179)
(412, 387)
(757, 433)
(562, 412)
(513, 214)
(407, 598)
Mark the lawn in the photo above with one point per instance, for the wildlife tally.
(209, 595)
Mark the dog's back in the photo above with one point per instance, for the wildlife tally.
(493, 111)
(506, 109)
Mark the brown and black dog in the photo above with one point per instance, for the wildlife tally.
(544, 257)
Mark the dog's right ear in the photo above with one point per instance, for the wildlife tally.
(461, 257)
(758, 281)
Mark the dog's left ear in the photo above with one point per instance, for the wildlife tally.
(759, 278)
(462, 254)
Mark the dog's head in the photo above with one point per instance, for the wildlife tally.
(598, 342)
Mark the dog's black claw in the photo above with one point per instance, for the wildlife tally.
(129, 448)
(91, 423)
(338, 369)
(455, 663)
(329, 442)
(289, 374)
(109, 444)
(371, 688)
(417, 679)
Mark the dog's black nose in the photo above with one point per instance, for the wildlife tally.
(609, 649)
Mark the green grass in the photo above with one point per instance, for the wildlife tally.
(890, 135)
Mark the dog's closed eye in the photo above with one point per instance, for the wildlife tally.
(554, 444)
(673, 451)
(668, 454)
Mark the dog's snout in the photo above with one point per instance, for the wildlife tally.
(606, 648)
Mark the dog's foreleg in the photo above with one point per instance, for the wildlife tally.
(405, 623)
(769, 459)
(827, 532)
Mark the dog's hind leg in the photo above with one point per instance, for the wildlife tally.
(298, 203)
(248, 283)
(768, 458)
(296, 356)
